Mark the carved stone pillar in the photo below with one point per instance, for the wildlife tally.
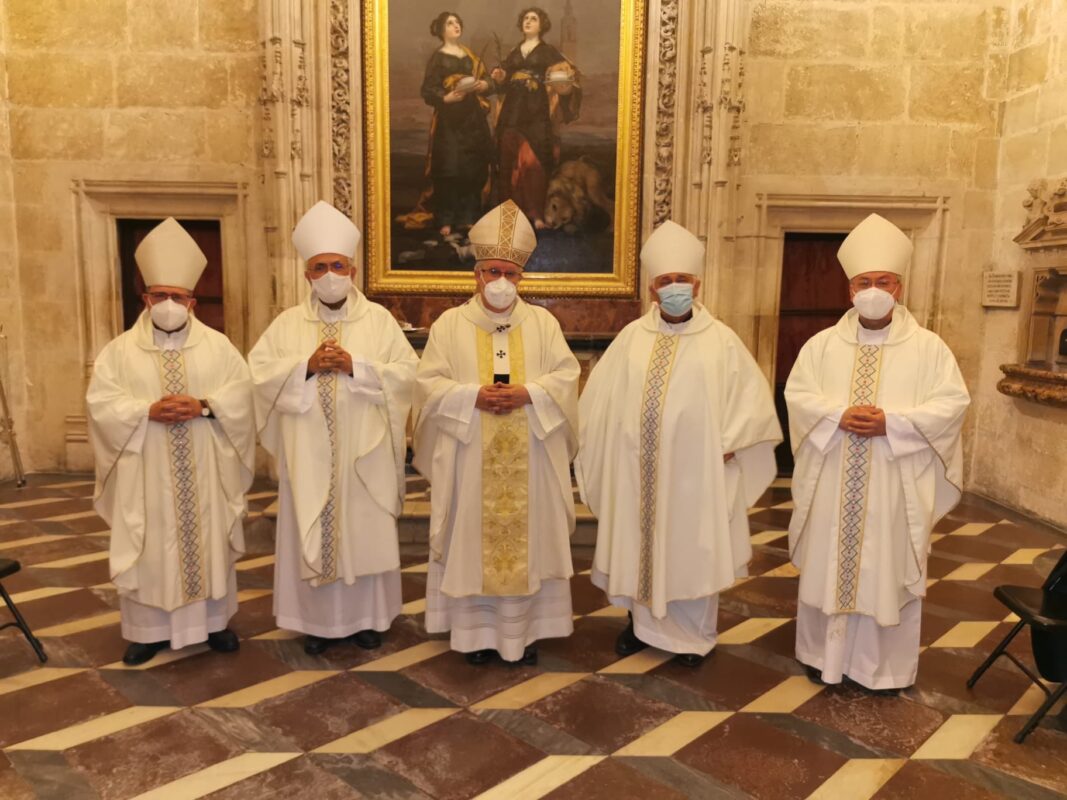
(693, 133)
(308, 132)
(708, 132)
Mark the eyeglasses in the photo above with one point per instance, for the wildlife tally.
(321, 268)
(885, 284)
(162, 297)
(496, 273)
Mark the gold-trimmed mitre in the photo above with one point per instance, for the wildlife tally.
(875, 245)
(504, 233)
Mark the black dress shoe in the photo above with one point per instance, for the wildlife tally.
(875, 692)
(140, 652)
(479, 657)
(224, 641)
(814, 675)
(689, 659)
(368, 640)
(316, 645)
(627, 643)
(529, 656)
(886, 692)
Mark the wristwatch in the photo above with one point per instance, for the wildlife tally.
(205, 409)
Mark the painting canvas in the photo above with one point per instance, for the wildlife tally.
(473, 102)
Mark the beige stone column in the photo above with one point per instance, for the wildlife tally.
(692, 121)
(11, 357)
(309, 133)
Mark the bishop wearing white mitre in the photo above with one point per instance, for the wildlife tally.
(333, 379)
(677, 440)
(875, 404)
(496, 405)
(170, 420)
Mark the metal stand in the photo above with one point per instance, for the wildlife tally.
(20, 623)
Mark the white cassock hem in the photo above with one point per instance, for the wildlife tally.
(337, 609)
(504, 624)
(857, 647)
(690, 627)
(186, 625)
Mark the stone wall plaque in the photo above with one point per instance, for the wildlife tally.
(1000, 289)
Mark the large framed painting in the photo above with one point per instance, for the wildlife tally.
(469, 103)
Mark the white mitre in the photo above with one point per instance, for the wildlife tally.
(671, 248)
(504, 233)
(168, 256)
(324, 229)
(875, 245)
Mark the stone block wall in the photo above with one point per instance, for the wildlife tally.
(1020, 456)
(887, 98)
(160, 90)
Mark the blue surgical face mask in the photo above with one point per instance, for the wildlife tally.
(676, 299)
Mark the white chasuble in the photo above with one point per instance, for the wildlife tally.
(173, 494)
(502, 507)
(864, 507)
(659, 412)
(339, 443)
(483, 468)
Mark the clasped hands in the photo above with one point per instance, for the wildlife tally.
(173, 408)
(501, 398)
(864, 421)
(330, 357)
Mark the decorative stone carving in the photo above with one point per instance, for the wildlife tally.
(665, 102)
(1046, 216)
(1036, 199)
(706, 107)
(1036, 385)
(301, 99)
(271, 91)
(340, 106)
(731, 97)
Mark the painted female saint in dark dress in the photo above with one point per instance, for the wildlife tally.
(460, 142)
(540, 92)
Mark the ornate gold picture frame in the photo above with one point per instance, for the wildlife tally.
(564, 121)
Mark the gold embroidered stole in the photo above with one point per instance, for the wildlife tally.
(183, 481)
(505, 480)
(855, 479)
(657, 377)
(327, 388)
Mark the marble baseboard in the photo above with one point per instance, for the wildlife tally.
(575, 314)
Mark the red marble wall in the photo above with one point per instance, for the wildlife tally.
(575, 314)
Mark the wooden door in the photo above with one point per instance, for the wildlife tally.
(814, 296)
(208, 236)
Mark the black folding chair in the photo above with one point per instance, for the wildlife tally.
(8, 568)
(1045, 611)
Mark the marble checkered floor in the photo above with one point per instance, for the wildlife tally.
(413, 720)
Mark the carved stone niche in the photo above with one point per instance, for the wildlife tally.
(1042, 375)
